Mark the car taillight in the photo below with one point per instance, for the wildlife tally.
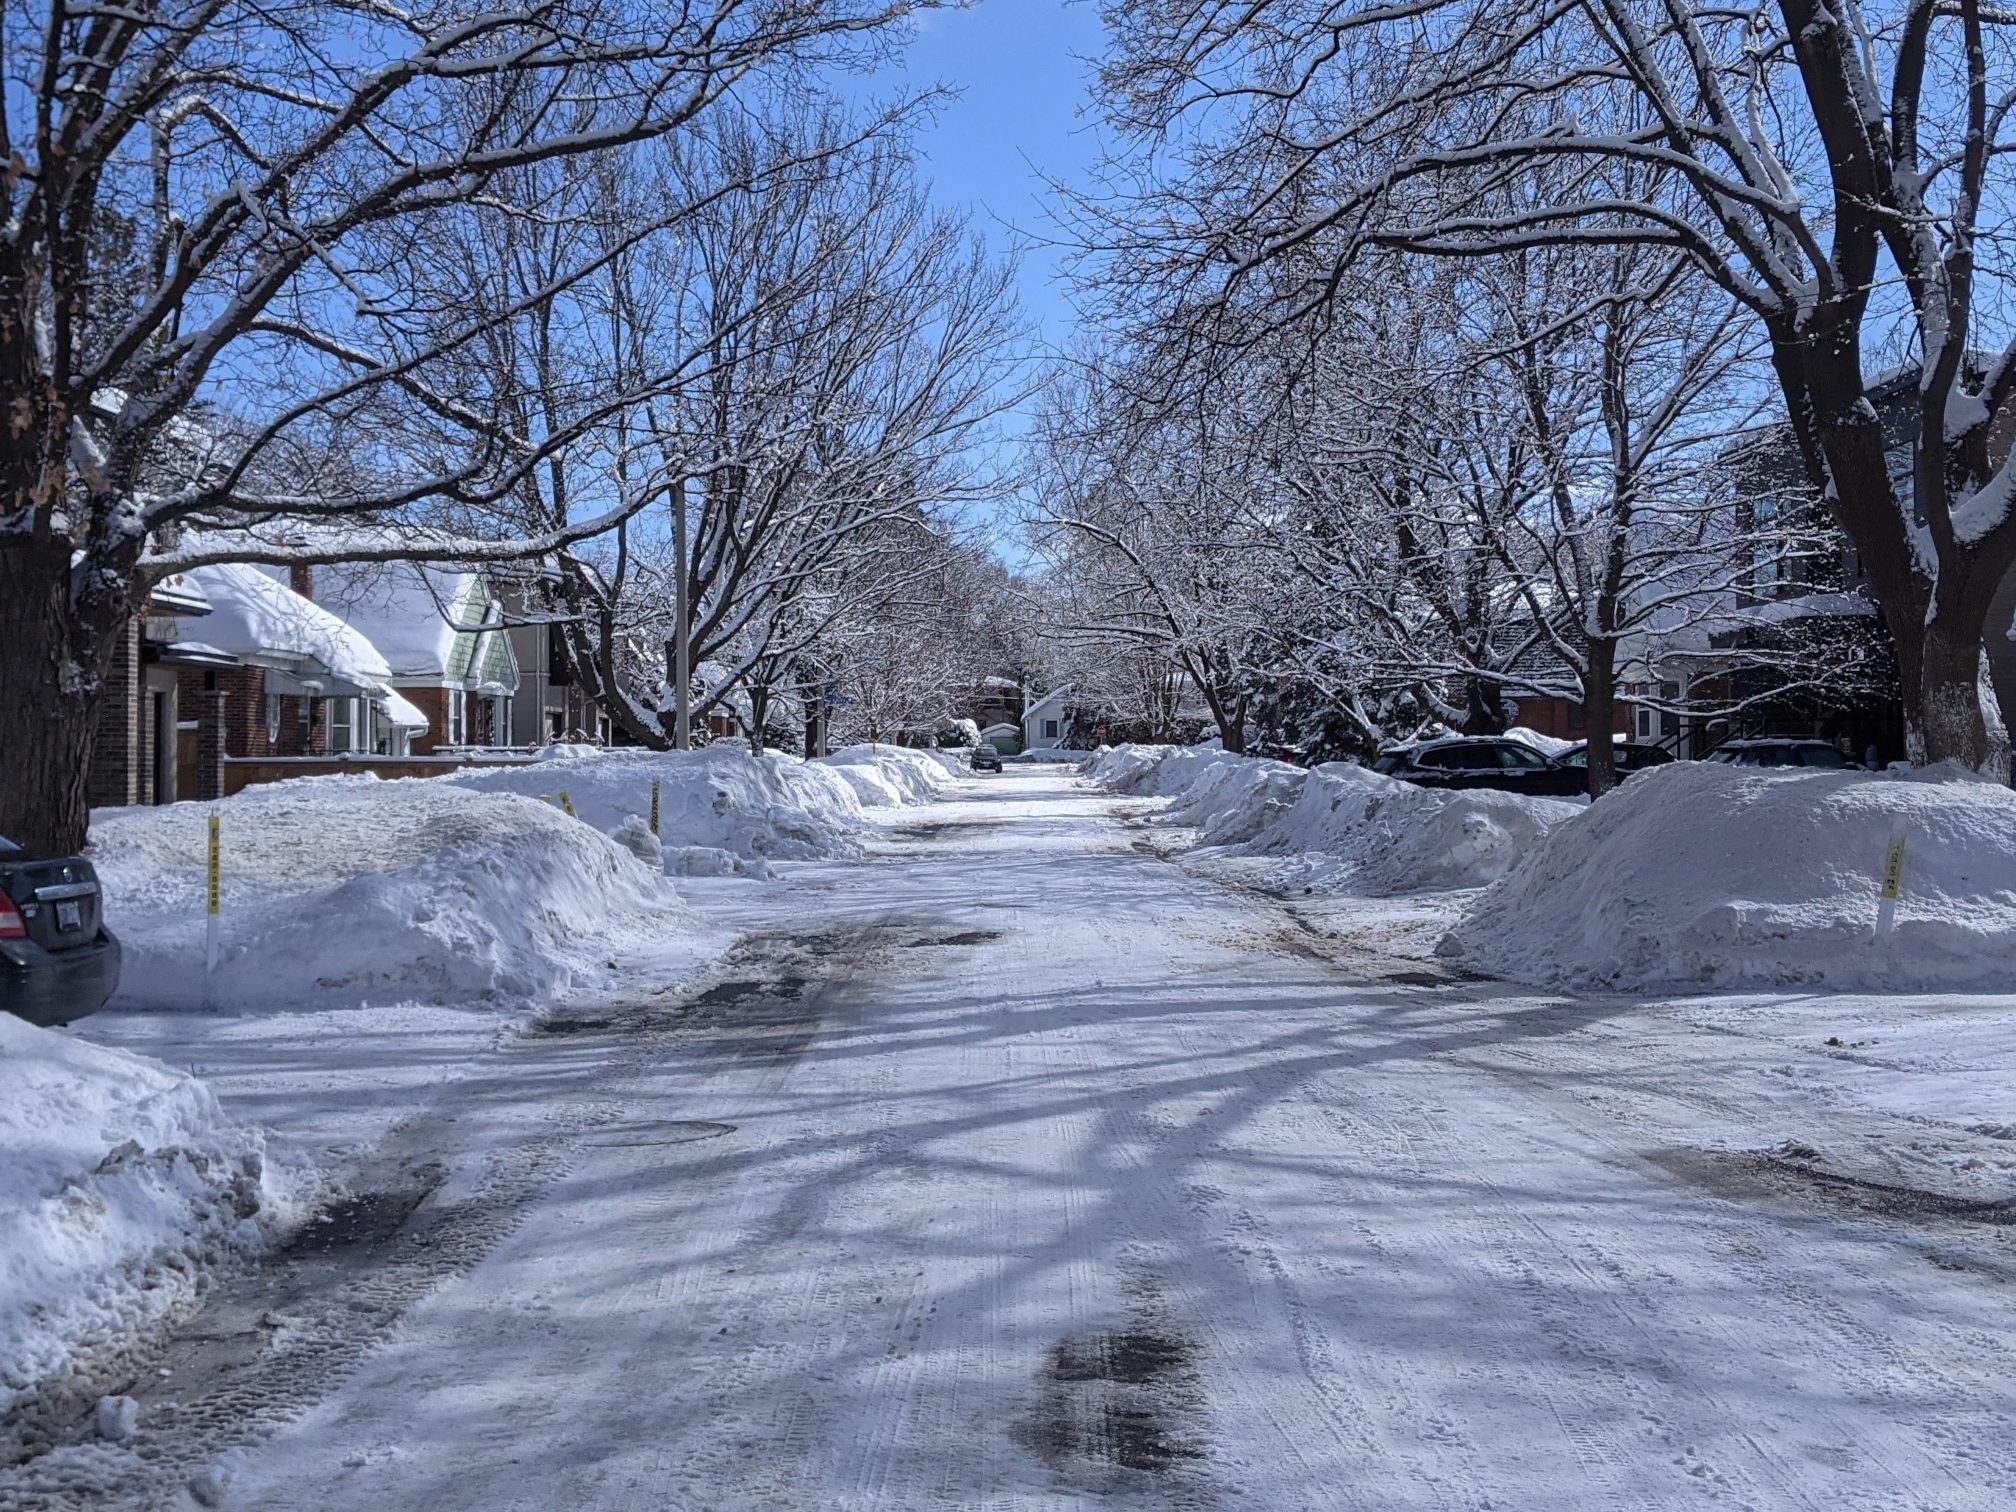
(12, 927)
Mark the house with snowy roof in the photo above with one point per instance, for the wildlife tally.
(152, 737)
(1046, 723)
(443, 635)
(304, 682)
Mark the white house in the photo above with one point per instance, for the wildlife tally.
(1045, 724)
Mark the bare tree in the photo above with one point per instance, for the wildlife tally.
(215, 205)
(1837, 174)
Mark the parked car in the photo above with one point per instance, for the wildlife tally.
(986, 758)
(1631, 757)
(1483, 762)
(58, 961)
(1787, 752)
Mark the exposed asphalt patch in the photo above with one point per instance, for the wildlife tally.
(1765, 1176)
(938, 829)
(358, 1225)
(557, 1025)
(1118, 1400)
(965, 937)
(662, 1131)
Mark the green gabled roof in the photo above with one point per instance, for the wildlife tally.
(469, 616)
(499, 666)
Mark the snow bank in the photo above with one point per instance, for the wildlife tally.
(892, 776)
(346, 891)
(123, 1185)
(1358, 829)
(721, 798)
(1346, 827)
(1704, 874)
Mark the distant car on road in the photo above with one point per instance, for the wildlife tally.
(1511, 766)
(58, 961)
(1631, 757)
(1789, 752)
(986, 758)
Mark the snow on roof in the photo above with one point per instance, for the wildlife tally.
(414, 614)
(402, 713)
(252, 615)
(1055, 695)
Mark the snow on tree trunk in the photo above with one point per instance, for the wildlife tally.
(1957, 716)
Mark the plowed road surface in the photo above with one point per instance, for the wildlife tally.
(1019, 1167)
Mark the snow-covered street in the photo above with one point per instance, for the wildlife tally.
(1018, 1166)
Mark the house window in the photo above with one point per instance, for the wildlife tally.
(456, 710)
(343, 725)
(556, 723)
(272, 719)
(1049, 729)
(1578, 717)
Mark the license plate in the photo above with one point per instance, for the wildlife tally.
(70, 915)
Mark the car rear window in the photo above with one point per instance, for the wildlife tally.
(1517, 758)
(1822, 756)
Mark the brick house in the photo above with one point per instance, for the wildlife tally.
(293, 679)
(447, 649)
(161, 722)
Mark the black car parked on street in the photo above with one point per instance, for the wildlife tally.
(1475, 762)
(985, 758)
(1789, 751)
(1631, 757)
(58, 961)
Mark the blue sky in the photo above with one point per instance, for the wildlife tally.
(1019, 66)
(1020, 69)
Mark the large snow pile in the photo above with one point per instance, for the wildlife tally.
(123, 1184)
(722, 800)
(1704, 874)
(1344, 826)
(346, 891)
(1355, 828)
(891, 776)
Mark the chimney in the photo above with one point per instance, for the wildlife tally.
(301, 578)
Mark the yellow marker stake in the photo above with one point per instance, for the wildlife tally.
(567, 804)
(1893, 883)
(215, 898)
(654, 807)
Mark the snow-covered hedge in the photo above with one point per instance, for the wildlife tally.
(347, 891)
(1343, 826)
(123, 1185)
(1708, 875)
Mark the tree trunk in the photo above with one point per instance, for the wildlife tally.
(1231, 726)
(1485, 714)
(1599, 705)
(1949, 707)
(759, 712)
(49, 689)
(1956, 716)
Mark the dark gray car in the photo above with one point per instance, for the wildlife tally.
(986, 758)
(58, 961)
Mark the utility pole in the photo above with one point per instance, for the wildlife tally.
(682, 627)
